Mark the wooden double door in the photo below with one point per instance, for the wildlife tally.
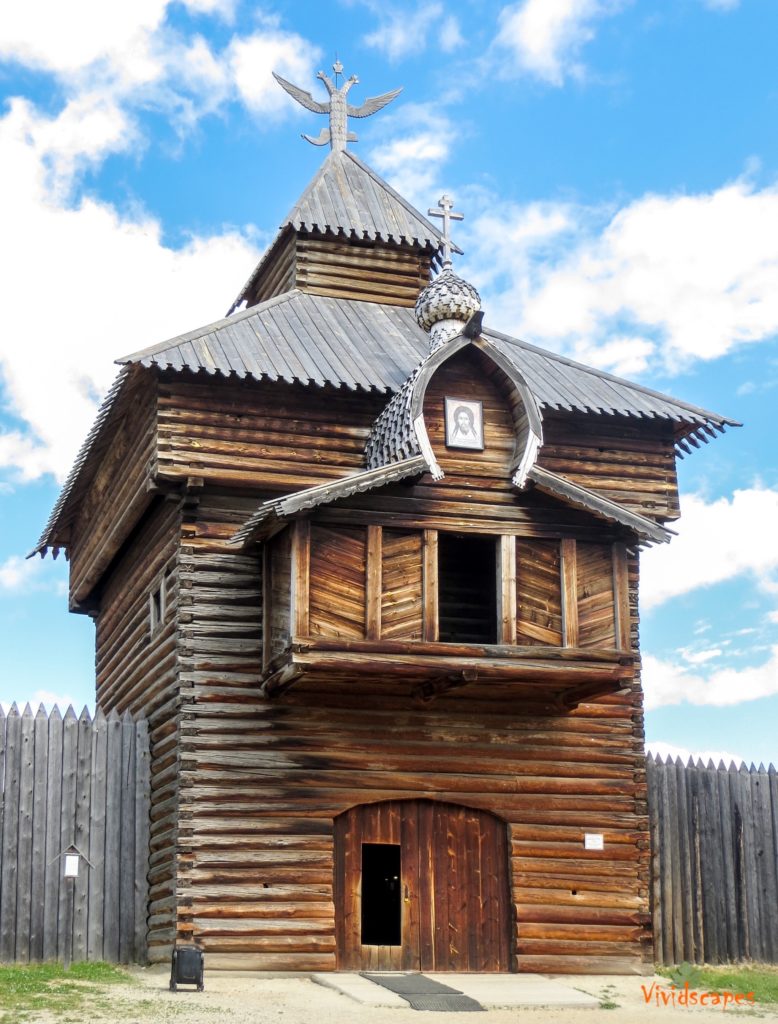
(422, 886)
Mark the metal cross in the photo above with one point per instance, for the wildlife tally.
(446, 213)
(337, 108)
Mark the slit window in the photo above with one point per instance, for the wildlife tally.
(381, 895)
(157, 605)
(467, 589)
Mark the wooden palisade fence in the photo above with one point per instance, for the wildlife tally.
(714, 839)
(82, 782)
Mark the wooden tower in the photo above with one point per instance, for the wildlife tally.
(373, 580)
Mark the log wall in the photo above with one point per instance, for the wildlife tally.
(118, 495)
(137, 670)
(220, 660)
(630, 461)
(264, 780)
(326, 264)
(269, 436)
(245, 789)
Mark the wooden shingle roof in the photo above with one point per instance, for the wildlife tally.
(348, 199)
(315, 339)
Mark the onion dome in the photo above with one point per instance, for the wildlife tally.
(445, 306)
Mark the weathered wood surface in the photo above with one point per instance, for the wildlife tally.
(273, 436)
(262, 782)
(366, 582)
(454, 887)
(118, 494)
(245, 790)
(368, 271)
(631, 463)
(137, 665)
(714, 867)
(61, 778)
(328, 265)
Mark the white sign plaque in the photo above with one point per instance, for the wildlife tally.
(71, 865)
(594, 841)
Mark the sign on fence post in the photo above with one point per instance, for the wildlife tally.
(71, 860)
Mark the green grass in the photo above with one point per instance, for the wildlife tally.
(606, 997)
(27, 989)
(761, 979)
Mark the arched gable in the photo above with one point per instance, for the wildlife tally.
(405, 429)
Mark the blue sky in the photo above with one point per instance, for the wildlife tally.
(617, 163)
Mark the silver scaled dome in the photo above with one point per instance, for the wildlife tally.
(445, 306)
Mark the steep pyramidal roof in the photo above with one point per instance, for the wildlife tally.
(347, 198)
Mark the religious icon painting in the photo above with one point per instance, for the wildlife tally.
(464, 423)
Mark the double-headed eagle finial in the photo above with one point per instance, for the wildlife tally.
(338, 108)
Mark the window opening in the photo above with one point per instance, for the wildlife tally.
(157, 605)
(467, 589)
(381, 895)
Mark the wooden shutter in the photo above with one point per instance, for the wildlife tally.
(596, 609)
(539, 593)
(337, 583)
(401, 585)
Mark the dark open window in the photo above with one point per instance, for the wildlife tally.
(467, 589)
(381, 895)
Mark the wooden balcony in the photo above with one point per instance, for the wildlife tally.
(560, 677)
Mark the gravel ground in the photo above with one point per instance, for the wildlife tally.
(293, 999)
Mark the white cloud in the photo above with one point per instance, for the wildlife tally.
(65, 38)
(721, 5)
(224, 9)
(700, 657)
(19, 575)
(664, 281)
(75, 272)
(545, 37)
(130, 53)
(716, 541)
(253, 59)
(419, 143)
(666, 683)
(664, 750)
(404, 32)
(14, 572)
(450, 37)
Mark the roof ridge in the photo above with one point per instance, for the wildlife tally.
(605, 375)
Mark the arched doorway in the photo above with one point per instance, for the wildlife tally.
(422, 885)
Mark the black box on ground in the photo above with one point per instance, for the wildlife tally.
(186, 967)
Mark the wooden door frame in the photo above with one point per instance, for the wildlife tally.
(416, 832)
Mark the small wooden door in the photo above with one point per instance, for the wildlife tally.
(423, 886)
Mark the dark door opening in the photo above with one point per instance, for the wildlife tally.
(381, 896)
(467, 589)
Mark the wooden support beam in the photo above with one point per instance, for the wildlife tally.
(426, 692)
(374, 582)
(506, 589)
(569, 699)
(569, 593)
(279, 681)
(430, 588)
(267, 597)
(301, 578)
(621, 597)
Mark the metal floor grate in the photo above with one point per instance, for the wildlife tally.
(425, 994)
